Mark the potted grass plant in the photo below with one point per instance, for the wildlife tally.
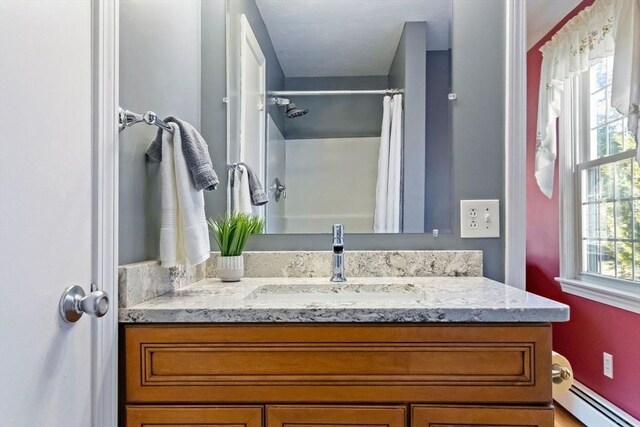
(231, 233)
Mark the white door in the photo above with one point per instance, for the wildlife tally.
(253, 67)
(47, 366)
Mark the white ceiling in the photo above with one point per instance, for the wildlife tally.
(314, 38)
(543, 15)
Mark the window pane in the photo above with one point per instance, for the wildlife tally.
(598, 143)
(629, 139)
(609, 66)
(624, 220)
(623, 179)
(598, 76)
(636, 178)
(606, 182)
(590, 221)
(599, 108)
(624, 257)
(636, 220)
(606, 229)
(591, 188)
(591, 257)
(608, 259)
(616, 144)
(611, 219)
(636, 262)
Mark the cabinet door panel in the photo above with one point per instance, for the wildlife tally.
(476, 416)
(336, 416)
(350, 364)
(193, 416)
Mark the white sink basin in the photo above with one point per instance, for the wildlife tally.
(334, 292)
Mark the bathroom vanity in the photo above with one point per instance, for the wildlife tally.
(389, 351)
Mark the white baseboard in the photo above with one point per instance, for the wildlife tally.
(594, 410)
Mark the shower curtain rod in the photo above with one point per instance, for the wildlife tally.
(335, 92)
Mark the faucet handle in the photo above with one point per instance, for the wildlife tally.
(338, 234)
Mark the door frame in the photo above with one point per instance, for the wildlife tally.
(104, 341)
(248, 41)
(249, 46)
(515, 191)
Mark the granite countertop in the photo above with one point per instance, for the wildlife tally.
(360, 299)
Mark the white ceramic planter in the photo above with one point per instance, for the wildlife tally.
(230, 268)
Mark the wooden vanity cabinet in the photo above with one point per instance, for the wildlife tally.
(465, 416)
(189, 416)
(322, 416)
(339, 374)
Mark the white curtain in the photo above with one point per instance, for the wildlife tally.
(607, 27)
(387, 211)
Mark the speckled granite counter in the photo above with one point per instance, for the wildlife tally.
(366, 299)
(142, 281)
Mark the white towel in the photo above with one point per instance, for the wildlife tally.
(184, 237)
(241, 192)
(170, 250)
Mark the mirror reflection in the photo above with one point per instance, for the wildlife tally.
(339, 111)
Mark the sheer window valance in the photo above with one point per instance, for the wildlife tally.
(608, 27)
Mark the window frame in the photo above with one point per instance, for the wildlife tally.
(574, 130)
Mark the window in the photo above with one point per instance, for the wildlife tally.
(601, 228)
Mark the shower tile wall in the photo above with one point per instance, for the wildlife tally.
(338, 186)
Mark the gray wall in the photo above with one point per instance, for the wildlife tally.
(336, 116)
(213, 90)
(159, 71)
(438, 188)
(478, 46)
(275, 76)
(408, 71)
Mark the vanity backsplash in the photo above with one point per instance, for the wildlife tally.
(142, 281)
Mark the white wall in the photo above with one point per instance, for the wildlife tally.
(330, 181)
(159, 71)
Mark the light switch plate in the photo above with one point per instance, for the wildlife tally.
(607, 362)
(479, 219)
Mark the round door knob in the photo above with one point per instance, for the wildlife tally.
(74, 303)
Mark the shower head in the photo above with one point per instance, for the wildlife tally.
(293, 111)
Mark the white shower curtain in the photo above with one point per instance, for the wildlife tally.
(387, 211)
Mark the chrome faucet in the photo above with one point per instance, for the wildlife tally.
(337, 257)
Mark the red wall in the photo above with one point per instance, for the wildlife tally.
(594, 328)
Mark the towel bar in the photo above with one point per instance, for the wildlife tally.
(128, 118)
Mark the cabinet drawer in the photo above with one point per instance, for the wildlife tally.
(188, 416)
(338, 363)
(309, 416)
(451, 416)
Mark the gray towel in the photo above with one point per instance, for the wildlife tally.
(258, 196)
(195, 151)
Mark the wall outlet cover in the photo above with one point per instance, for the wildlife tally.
(607, 362)
(479, 219)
